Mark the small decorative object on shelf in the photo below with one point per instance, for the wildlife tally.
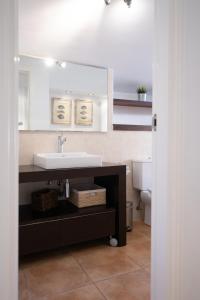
(142, 93)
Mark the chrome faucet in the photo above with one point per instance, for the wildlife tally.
(61, 141)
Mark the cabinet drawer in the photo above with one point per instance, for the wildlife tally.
(39, 237)
(88, 227)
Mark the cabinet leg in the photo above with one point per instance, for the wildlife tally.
(121, 209)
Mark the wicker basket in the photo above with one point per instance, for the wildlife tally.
(88, 195)
(44, 200)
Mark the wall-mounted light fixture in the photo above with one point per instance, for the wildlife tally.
(128, 2)
(50, 62)
(61, 64)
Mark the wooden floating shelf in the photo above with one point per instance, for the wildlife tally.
(132, 103)
(127, 127)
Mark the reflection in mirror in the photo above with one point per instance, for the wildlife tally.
(62, 96)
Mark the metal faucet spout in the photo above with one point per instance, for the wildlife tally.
(61, 141)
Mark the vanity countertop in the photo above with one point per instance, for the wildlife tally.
(32, 173)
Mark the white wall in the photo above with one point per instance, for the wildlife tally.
(132, 115)
(8, 154)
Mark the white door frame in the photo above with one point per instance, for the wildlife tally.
(8, 153)
(176, 147)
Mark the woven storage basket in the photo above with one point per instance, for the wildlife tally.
(88, 195)
(44, 200)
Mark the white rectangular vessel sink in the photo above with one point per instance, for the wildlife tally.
(67, 160)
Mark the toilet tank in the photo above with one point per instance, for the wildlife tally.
(142, 174)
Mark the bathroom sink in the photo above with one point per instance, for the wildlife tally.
(67, 160)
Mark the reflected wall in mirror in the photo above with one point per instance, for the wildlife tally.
(62, 96)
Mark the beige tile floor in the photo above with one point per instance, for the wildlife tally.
(90, 271)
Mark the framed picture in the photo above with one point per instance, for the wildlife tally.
(61, 111)
(84, 112)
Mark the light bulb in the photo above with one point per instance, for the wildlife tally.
(63, 64)
(49, 62)
(16, 59)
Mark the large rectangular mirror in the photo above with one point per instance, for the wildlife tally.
(62, 96)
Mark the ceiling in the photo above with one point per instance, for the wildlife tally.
(88, 31)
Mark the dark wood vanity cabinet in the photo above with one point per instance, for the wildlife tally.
(69, 224)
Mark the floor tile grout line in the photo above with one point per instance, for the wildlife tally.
(109, 277)
(119, 275)
(82, 268)
(64, 291)
(104, 296)
(132, 259)
(92, 283)
(114, 277)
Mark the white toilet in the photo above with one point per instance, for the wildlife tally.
(142, 181)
